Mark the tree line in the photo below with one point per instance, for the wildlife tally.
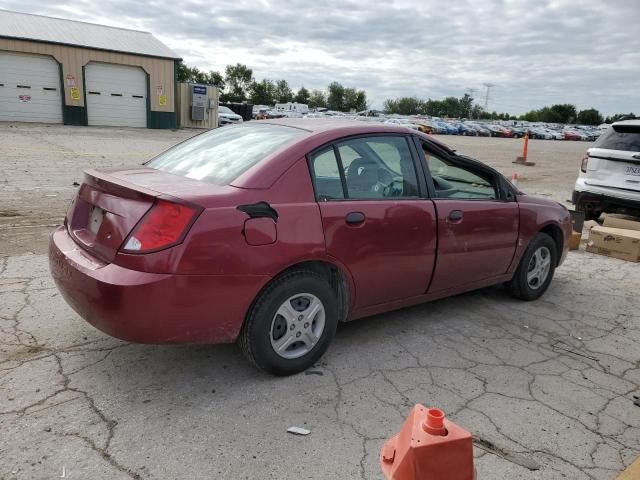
(464, 107)
(238, 85)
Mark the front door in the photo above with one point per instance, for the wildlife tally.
(375, 220)
(477, 226)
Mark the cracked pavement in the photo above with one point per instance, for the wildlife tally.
(545, 387)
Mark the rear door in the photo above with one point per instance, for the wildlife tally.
(477, 223)
(615, 159)
(376, 219)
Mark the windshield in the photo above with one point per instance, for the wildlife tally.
(224, 110)
(221, 155)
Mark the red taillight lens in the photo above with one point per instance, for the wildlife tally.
(585, 163)
(163, 226)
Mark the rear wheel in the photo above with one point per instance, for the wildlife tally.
(536, 268)
(291, 323)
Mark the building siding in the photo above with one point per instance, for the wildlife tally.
(73, 59)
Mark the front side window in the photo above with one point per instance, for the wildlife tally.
(451, 180)
(378, 167)
(222, 155)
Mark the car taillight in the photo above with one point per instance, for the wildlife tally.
(585, 163)
(163, 226)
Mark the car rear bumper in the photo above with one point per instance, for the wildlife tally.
(604, 198)
(149, 307)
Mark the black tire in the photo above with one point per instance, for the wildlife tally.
(255, 339)
(519, 285)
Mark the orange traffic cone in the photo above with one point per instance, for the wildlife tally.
(428, 447)
(522, 160)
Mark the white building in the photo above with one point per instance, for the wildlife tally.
(292, 107)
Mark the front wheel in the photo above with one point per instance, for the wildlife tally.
(291, 323)
(536, 268)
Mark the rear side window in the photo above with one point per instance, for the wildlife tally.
(222, 155)
(620, 137)
(326, 175)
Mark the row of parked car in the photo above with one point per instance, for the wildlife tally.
(481, 129)
(437, 126)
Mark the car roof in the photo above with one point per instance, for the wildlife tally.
(317, 125)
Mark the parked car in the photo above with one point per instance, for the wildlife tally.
(609, 178)
(425, 127)
(480, 130)
(517, 132)
(498, 131)
(572, 135)
(227, 116)
(465, 130)
(270, 233)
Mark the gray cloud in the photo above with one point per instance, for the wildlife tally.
(575, 51)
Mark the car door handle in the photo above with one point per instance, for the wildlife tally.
(636, 156)
(354, 218)
(455, 216)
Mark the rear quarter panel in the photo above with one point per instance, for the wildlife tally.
(536, 213)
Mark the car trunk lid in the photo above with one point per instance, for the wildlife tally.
(613, 168)
(110, 204)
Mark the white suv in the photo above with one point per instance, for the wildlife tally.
(609, 179)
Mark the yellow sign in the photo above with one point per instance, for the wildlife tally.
(163, 100)
(75, 93)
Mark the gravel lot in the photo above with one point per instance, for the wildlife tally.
(545, 387)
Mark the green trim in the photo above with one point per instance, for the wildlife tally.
(175, 91)
(162, 120)
(74, 115)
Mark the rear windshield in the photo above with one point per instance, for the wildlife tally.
(620, 137)
(222, 155)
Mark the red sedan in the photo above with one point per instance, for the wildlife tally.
(271, 233)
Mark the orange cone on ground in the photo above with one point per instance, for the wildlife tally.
(428, 447)
(522, 160)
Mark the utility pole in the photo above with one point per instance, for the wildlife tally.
(489, 86)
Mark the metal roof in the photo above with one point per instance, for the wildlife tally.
(39, 28)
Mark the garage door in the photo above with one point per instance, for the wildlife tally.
(29, 88)
(116, 95)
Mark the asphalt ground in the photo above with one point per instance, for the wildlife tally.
(545, 387)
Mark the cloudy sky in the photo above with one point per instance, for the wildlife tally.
(585, 52)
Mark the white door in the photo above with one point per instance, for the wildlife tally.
(116, 95)
(29, 88)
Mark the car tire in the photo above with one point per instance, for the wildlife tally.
(536, 268)
(265, 329)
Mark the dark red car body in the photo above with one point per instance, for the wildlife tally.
(200, 290)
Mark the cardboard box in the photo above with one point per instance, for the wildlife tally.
(574, 241)
(614, 220)
(615, 242)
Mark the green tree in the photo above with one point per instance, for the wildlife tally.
(335, 99)
(354, 100)
(283, 93)
(618, 116)
(302, 96)
(195, 75)
(238, 77)
(466, 105)
(262, 93)
(317, 99)
(403, 105)
(590, 116)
